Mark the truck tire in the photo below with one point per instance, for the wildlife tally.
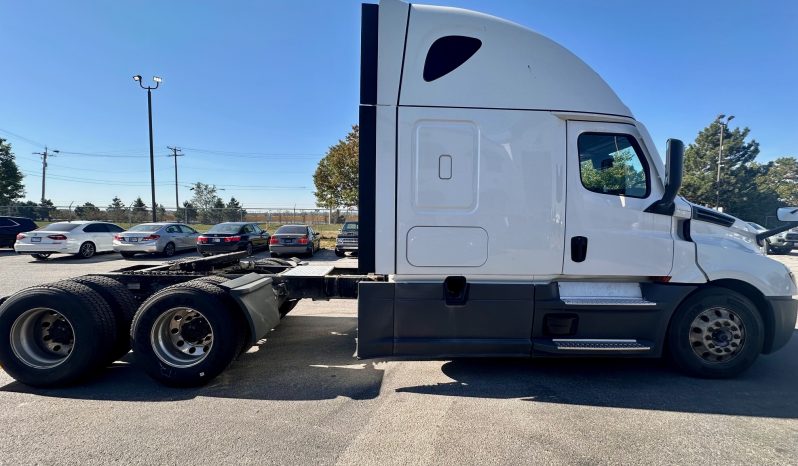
(339, 253)
(213, 279)
(715, 333)
(122, 303)
(58, 334)
(187, 334)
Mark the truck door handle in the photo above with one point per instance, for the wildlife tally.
(578, 248)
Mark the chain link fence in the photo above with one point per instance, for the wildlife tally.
(132, 215)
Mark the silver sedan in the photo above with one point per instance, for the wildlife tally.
(150, 238)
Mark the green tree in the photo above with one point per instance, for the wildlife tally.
(116, 209)
(139, 211)
(205, 201)
(46, 209)
(234, 211)
(336, 176)
(87, 211)
(28, 209)
(11, 187)
(738, 193)
(187, 213)
(781, 177)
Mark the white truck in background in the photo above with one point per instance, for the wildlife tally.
(510, 205)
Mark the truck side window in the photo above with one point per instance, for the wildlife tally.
(613, 164)
(447, 53)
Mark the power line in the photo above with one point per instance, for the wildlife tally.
(30, 141)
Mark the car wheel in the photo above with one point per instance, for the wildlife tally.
(249, 249)
(41, 256)
(87, 250)
(274, 254)
(127, 255)
(169, 249)
(339, 253)
(715, 333)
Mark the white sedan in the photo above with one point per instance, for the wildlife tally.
(81, 238)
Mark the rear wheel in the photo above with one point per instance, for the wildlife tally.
(339, 253)
(87, 250)
(127, 255)
(169, 250)
(187, 334)
(274, 254)
(57, 334)
(249, 249)
(122, 303)
(41, 256)
(715, 333)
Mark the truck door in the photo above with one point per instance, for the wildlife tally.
(611, 182)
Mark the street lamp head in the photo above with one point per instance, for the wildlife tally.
(721, 116)
(157, 79)
(731, 117)
(137, 78)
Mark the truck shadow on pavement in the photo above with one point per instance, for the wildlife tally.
(305, 358)
(767, 389)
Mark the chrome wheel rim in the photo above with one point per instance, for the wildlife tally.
(42, 338)
(181, 337)
(717, 335)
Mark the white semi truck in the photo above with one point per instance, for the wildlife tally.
(510, 205)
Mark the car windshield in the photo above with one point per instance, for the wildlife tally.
(145, 227)
(224, 228)
(60, 227)
(350, 226)
(291, 230)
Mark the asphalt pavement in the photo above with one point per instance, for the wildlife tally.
(301, 397)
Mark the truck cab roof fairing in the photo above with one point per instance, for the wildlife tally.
(515, 67)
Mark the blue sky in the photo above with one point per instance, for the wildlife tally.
(256, 91)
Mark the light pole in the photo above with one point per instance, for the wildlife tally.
(723, 125)
(157, 81)
(175, 154)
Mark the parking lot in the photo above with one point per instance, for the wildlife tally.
(301, 397)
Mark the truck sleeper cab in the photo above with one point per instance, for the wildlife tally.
(519, 209)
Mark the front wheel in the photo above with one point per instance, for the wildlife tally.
(41, 256)
(87, 250)
(715, 333)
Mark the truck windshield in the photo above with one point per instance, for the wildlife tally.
(350, 226)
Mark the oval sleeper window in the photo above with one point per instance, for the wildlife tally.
(447, 54)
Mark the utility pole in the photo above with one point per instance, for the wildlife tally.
(44, 166)
(175, 154)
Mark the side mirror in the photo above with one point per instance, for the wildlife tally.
(673, 179)
(788, 214)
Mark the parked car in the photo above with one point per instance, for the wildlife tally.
(10, 227)
(295, 239)
(781, 243)
(148, 238)
(233, 236)
(82, 238)
(347, 239)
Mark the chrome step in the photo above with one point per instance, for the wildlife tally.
(587, 344)
(615, 301)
